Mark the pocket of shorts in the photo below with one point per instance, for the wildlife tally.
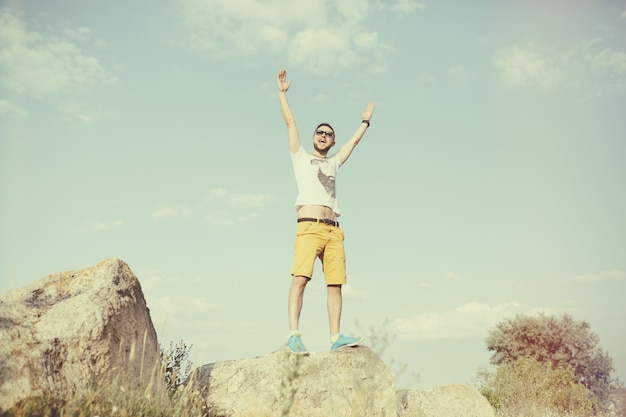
(304, 228)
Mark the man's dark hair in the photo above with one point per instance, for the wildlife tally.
(324, 124)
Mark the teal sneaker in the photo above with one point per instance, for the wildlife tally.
(296, 346)
(346, 341)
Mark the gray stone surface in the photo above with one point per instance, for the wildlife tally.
(61, 331)
(347, 382)
(452, 400)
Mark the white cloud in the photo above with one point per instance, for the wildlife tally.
(408, 6)
(169, 211)
(322, 49)
(350, 11)
(236, 26)
(176, 317)
(458, 71)
(40, 64)
(98, 226)
(610, 65)
(244, 200)
(321, 97)
(153, 279)
(182, 311)
(611, 275)
(366, 40)
(614, 61)
(524, 66)
(11, 110)
(77, 33)
(469, 320)
(317, 34)
(350, 290)
(594, 67)
(185, 306)
(428, 78)
(220, 207)
(73, 111)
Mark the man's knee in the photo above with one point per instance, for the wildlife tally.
(300, 280)
(334, 288)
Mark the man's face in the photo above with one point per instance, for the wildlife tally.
(323, 139)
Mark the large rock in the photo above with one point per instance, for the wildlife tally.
(68, 329)
(446, 401)
(347, 382)
(617, 403)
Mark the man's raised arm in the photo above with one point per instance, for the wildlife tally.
(292, 129)
(346, 150)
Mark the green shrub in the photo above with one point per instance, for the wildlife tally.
(526, 386)
(561, 341)
(176, 365)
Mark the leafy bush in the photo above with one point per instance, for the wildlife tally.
(176, 365)
(525, 386)
(558, 343)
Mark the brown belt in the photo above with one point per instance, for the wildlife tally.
(325, 221)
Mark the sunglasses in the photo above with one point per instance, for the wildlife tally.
(323, 132)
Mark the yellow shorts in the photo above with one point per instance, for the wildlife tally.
(319, 240)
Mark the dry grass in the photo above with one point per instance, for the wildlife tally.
(124, 396)
(121, 395)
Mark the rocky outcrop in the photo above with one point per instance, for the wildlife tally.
(67, 329)
(347, 382)
(70, 329)
(446, 401)
(617, 403)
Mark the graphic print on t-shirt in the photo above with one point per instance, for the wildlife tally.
(328, 181)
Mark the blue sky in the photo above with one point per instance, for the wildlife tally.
(491, 182)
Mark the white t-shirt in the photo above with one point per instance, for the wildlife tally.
(315, 177)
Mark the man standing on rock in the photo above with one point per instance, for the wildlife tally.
(318, 233)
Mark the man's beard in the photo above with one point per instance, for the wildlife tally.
(320, 150)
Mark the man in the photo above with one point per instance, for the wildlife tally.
(318, 233)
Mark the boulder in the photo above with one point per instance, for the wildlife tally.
(446, 401)
(347, 382)
(69, 329)
(617, 403)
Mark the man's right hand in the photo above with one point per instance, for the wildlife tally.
(283, 84)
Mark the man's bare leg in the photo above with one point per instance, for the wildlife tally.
(338, 340)
(334, 308)
(294, 305)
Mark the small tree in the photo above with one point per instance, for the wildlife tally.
(528, 387)
(176, 365)
(559, 341)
